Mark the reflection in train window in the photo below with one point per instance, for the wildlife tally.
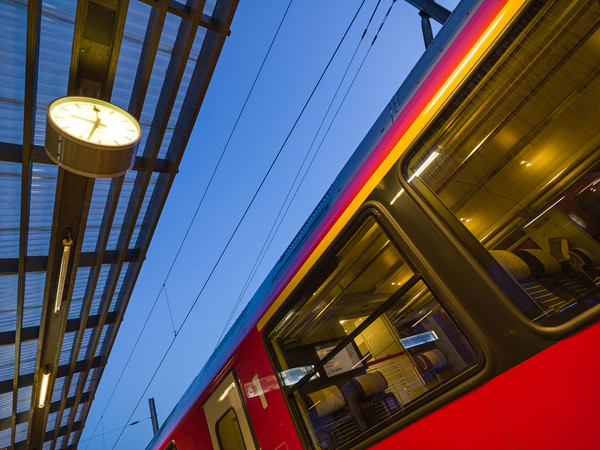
(516, 159)
(365, 342)
(229, 433)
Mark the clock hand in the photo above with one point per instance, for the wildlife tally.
(87, 120)
(96, 125)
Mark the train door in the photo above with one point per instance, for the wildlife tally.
(227, 419)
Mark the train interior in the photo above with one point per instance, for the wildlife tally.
(366, 341)
(517, 161)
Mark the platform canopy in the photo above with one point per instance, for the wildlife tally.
(153, 58)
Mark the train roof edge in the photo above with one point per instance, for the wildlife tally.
(242, 325)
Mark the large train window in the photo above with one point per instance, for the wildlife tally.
(516, 158)
(365, 343)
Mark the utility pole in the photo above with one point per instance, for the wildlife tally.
(153, 415)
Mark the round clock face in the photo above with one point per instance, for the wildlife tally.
(94, 121)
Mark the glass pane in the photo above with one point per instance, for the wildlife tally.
(229, 432)
(516, 159)
(367, 362)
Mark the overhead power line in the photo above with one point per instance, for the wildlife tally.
(243, 215)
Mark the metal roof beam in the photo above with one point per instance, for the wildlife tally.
(32, 333)
(14, 153)
(23, 416)
(10, 266)
(34, 17)
(28, 378)
(185, 12)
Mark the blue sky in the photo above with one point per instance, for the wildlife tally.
(306, 41)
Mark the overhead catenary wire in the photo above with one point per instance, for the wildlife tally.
(259, 188)
(200, 203)
(279, 218)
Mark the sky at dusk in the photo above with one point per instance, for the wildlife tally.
(307, 39)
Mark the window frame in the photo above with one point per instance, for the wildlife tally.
(231, 408)
(442, 395)
(450, 224)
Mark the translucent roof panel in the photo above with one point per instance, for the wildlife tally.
(84, 344)
(21, 432)
(97, 300)
(6, 401)
(209, 7)
(65, 417)
(10, 192)
(81, 280)
(73, 386)
(131, 49)
(34, 296)
(79, 410)
(24, 399)
(88, 382)
(185, 81)
(101, 341)
(67, 347)
(118, 293)
(5, 435)
(163, 56)
(51, 422)
(13, 33)
(7, 362)
(27, 357)
(95, 214)
(147, 197)
(58, 388)
(57, 27)
(43, 190)
(8, 302)
(117, 224)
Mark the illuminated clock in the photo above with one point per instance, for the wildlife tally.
(91, 137)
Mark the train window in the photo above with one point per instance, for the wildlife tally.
(226, 417)
(366, 343)
(516, 158)
(229, 433)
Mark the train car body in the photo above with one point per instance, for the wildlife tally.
(445, 291)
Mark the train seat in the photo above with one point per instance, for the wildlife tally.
(333, 422)
(368, 397)
(586, 261)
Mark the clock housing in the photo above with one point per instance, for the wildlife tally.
(91, 137)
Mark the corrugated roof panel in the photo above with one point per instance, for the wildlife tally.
(84, 343)
(28, 355)
(34, 296)
(117, 295)
(59, 441)
(13, 35)
(24, 399)
(8, 302)
(102, 278)
(185, 82)
(58, 388)
(71, 438)
(65, 417)
(95, 214)
(56, 35)
(129, 55)
(163, 56)
(10, 192)
(89, 380)
(7, 362)
(67, 347)
(21, 432)
(43, 190)
(117, 224)
(145, 203)
(5, 436)
(209, 7)
(81, 280)
(79, 410)
(47, 445)
(73, 386)
(51, 421)
(101, 341)
(6, 405)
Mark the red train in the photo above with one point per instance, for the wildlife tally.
(445, 291)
